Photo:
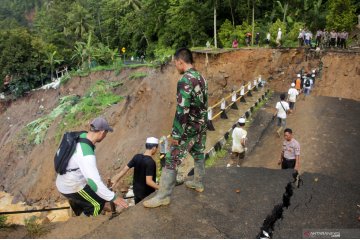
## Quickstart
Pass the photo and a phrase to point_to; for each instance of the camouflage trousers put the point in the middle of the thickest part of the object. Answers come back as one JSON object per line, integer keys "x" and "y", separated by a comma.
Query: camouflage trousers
{"x": 195, "y": 146}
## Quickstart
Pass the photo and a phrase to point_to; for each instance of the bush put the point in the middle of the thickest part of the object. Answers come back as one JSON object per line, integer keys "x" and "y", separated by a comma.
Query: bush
{"x": 33, "y": 227}
{"x": 295, "y": 30}
{"x": 3, "y": 223}
{"x": 97, "y": 98}
{"x": 226, "y": 34}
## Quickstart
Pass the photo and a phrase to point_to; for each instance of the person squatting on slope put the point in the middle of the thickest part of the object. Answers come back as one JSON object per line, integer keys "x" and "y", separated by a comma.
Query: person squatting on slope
{"x": 144, "y": 179}
{"x": 282, "y": 108}
{"x": 189, "y": 129}
{"x": 290, "y": 153}
{"x": 239, "y": 142}
{"x": 81, "y": 183}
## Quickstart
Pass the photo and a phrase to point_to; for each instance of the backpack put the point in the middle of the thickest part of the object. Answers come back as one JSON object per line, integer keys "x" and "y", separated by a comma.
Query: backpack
{"x": 66, "y": 150}
{"x": 307, "y": 83}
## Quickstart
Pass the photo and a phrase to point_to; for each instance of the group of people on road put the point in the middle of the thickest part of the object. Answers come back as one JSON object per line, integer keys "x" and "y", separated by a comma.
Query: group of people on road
{"x": 323, "y": 38}
{"x": 82, "y": 184}
{"x": 290, "y": 154}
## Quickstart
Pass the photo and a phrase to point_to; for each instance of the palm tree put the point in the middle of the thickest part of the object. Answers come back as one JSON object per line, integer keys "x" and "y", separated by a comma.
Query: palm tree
{"x": 52, "y": 61}
{"x": 80, "y": 21}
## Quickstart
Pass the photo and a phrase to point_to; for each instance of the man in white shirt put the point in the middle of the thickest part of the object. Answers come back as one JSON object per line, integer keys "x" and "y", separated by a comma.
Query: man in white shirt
{"x": 278, "y": 38}
{"x": 239, "y": 142}
{"x": 292, "y": 95}
{"x": 301, "y": 38}
{"x": 282, "y": 108}
{"x": 81, "y": 183}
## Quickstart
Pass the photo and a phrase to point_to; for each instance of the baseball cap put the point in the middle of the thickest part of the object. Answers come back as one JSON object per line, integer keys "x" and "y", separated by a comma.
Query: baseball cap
{"x": 100, "y": 124}
{"x": 293, "y": 84}
{"x": 241, "y": 120}
{"x": 298, "y": 75}
{"x": 152, "y": 140}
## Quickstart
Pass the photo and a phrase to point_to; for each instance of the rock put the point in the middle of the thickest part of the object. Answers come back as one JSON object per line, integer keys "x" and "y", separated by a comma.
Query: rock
{"x": 18, "y": 198}
{"x": 46, "y": 220}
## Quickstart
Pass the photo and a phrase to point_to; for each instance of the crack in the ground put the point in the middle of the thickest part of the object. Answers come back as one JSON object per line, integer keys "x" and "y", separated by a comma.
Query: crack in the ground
{"x": 267, "y": 229}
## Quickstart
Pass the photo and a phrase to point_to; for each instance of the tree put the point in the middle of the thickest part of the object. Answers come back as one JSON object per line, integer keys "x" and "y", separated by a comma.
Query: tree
{"x": 341, "y": 15}
{"x": 52, "y": 61}
{"x": 79, "y": 22}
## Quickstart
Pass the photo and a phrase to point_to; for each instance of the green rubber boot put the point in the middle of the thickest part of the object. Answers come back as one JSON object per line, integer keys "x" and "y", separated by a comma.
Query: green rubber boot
{"x": 167, "y": 184}
{"x": 199, "y": 172}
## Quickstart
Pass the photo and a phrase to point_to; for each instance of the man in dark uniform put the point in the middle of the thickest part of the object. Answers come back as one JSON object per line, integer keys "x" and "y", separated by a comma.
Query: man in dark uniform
{"x": 189, "y": 129}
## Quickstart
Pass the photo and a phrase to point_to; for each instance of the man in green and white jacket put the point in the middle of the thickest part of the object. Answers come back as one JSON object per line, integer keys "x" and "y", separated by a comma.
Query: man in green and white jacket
{"x": 82, "y": 183}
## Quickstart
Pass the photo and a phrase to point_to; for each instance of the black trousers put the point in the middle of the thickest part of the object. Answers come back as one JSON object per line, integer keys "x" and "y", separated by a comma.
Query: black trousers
{"x": 288, "y": 163}
{"x": 85, "y": 201}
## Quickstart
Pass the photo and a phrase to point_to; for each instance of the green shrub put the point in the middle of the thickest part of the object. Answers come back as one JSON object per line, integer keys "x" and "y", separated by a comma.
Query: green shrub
{"x": 3, "y": 223}
{"x": 37, "y": 129}
{"x": 33, "y": 227}
{"x": 97, "y": 98}
{"x": 226, "y": 33}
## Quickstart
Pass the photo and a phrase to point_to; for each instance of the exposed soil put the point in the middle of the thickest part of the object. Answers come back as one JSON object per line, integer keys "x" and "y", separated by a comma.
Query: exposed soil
{"x": 27, "y": 171}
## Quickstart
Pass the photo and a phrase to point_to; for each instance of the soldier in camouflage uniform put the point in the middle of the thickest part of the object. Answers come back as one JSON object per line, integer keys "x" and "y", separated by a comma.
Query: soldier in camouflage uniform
{"x": 189, "y": 129}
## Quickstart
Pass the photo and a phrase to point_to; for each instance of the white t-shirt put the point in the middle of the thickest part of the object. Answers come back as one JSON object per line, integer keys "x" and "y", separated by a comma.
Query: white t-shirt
{"x": 238, "y": 134}
{"x": 279, "y": 35}
{"x": 87, "y": 173}
{"x": 282, "y": 109}
{"x": 292, "y": 94}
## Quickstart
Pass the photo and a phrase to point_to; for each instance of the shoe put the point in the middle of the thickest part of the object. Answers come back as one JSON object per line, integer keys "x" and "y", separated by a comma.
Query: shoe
{"x": 167, "y": 184}
{"x": 199, "y": 172}
{"x": 237, "y": 165}
{"x": 228, "y": 165}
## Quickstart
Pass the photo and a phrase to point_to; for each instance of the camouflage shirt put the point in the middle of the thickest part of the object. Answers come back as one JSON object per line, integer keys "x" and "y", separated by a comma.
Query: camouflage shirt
{"x": 192, "y": 103}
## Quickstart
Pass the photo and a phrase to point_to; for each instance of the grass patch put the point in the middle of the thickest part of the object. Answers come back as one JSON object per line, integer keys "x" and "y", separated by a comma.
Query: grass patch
{"x": 75, "y": 111}
{"x": 3, "y": 221}
{"x": 137, "y": 75}
{"x": 33, "y": 227}
{"x": 65, "y": 79}
{"x": 133, "y": 66}
{"x": 96, "y": 99}
{"x": 213, "y": 159}
{"x": 36, "y": 130}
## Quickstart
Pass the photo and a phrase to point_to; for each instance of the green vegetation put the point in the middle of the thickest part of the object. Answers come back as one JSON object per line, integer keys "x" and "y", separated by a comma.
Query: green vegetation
{"x": 137, "y": 75}
{"x": 3, "y": 223}
{"x": 36, "y": 130}
{"x": 74, "y": 111}
{"x": 96, "y": 99}
{"x": 34, "y": 228}
{"x": 39, "y": 36}
{"x": 218, "y": 155}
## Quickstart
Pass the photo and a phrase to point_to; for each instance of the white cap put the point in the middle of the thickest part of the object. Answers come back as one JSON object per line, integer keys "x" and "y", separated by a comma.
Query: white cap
{"x": 313, "y": 71}
{"x": 279, "y": 29}
{"x": 293, "y": 84}
{"x": 152, "y": 140}
{"x": 241, "y": 120}
{"x": 298, "y": 75}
